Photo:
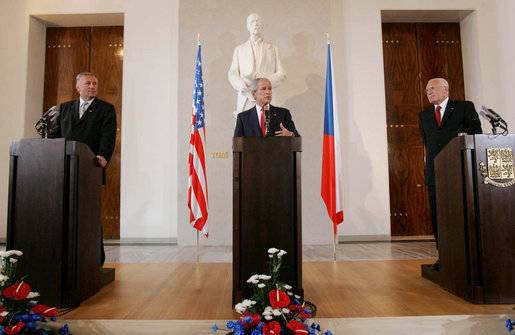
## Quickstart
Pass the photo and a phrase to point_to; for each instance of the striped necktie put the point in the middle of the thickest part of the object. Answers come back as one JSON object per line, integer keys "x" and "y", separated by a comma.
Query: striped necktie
{"x": 83, "y": 108}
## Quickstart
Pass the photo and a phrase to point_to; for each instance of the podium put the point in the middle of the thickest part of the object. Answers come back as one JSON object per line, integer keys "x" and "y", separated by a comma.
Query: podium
{"x": 475, "y": 194}
{"x": 266, "y": 210}
{"x": 54, "y": 213}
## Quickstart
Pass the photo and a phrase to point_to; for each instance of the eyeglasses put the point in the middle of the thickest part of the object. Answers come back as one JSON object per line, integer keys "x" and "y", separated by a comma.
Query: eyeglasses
{"x": 432, "y": 88}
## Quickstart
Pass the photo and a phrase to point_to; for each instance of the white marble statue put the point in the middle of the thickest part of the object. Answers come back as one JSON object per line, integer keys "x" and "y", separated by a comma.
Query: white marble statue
{"x": 255, "y": 58}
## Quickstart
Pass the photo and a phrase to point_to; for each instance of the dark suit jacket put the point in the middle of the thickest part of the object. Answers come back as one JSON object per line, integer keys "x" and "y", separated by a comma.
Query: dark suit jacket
{"x": 459, "y": 117}
{"x": 96, "y": 128}
{"x": 247, "y": 123}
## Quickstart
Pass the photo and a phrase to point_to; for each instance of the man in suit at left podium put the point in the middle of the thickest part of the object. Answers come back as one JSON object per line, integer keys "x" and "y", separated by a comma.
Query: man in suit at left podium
{"x": 88, "y": 120}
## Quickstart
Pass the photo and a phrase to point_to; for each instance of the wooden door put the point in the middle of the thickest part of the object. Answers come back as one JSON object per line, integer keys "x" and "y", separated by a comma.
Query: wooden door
{"x": 413, "y": 53}
{"x": 107, "y": 64}
{"x": 72, "y": 50}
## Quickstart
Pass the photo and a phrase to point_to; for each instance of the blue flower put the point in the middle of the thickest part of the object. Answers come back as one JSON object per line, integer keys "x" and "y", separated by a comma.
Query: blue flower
{"x": 34, "y": 317}
{"x": 260, "y": 326}
{"x": 21, "y": 318}
{"x": 247, "y": 319}
{"x": 308, "y": 311}
{"x": 53, "y": 318}
{"x": 64, "y": 330}
{"x": 31, "y": 325}
{"x": 42, "y": 332}
{"x": 328, "y": 333}
{"x": 230, "y": 325}
{"x": 238, "y": 326}
{"x": 296, "y": 302}
{"x": 214, "y": 328}
{"x": 318, "y": 327}
{"x": 256, "y": 332}
{"x": 509, "y": 325}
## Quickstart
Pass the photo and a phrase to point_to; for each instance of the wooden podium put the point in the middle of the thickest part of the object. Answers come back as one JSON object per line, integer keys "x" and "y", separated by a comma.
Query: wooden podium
{"x": 475, "y": 192}
{"x": 54, "y": 214}
{"x": 266, "y": 209}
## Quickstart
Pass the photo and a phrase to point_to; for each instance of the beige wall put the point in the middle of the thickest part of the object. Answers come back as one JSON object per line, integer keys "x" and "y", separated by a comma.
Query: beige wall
{"x": 159, "y": 54}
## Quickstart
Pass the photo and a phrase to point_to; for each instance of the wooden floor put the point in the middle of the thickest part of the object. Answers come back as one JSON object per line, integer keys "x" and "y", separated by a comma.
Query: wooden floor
{"x": 342, "y": 289}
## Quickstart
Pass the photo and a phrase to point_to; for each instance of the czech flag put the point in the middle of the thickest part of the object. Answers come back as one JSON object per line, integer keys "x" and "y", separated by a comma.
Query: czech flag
{"x": 332, "y": 186}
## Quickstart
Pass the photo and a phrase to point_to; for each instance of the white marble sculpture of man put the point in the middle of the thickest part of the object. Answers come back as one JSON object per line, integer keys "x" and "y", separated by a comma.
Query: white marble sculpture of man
{"x": 254, "y": 59}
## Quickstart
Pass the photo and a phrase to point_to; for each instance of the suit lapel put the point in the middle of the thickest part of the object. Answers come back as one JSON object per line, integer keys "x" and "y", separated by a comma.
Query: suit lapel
{"x": 75, "y": 111}
{"x": 449, "y": 109}
{"x": 274, "y": 125}
{"x": 254, "y": 122}
{"x": 249, "y": 54}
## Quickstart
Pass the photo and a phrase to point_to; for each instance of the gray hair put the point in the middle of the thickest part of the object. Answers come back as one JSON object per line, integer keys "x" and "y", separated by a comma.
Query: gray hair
{"x": 442, "y": 82}
{"x": 255, "y": 82}
{"x": 83, "y": 74}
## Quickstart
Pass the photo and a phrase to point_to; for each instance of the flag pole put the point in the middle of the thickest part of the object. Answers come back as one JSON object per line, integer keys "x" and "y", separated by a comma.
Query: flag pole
{"x": 334, "y": 246}
{"x": 335, "y": 237}
{"x": 198, "y": 43}
{"x": 197, "y": 247}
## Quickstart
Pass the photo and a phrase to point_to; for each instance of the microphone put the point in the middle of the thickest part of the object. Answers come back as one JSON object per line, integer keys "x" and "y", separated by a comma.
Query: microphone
{"x": 495, "y": 119}
{"x": 44, "y": 121}
{"x": 267, "y": 119}
{"x": 489, "y": 114}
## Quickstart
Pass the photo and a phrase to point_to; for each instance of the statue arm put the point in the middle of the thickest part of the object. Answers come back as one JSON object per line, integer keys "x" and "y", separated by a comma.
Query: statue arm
{"x": 234, "y": 74}
{"x": 280, "y": 74}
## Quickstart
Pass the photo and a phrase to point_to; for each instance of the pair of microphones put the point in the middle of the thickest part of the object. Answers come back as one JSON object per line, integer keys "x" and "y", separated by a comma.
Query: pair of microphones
{"x": 45, "y": 120}
{"x": 495, "y": 120}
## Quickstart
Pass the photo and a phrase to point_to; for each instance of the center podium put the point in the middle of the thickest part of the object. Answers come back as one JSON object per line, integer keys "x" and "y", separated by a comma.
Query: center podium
{"x": 267, "y": 210}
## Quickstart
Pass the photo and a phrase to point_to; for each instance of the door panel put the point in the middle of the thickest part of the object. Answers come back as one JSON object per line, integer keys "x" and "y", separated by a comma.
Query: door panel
{"x": 405, "y": 149}
{"x": 67, "y": 54}
{"x": 107, "y": 64}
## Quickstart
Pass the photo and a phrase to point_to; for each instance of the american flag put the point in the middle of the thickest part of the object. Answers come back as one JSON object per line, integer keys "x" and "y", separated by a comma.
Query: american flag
{"x": 197, "y": 181}
{"x": 331, "y": 161}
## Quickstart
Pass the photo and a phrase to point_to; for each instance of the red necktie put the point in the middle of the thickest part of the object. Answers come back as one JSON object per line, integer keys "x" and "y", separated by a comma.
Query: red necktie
{"x": 438, "y": 116}
{"x": 263, "y": 129}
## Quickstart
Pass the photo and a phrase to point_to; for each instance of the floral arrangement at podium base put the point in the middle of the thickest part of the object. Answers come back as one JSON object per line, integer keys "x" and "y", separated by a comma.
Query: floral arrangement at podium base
{"x": 19, "y": 312}
{"x": 272, "y": 309}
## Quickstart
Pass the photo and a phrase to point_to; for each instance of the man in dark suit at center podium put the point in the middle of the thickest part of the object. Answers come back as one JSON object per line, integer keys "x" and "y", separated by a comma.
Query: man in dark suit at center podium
{"x": 88, "y": 120}
{"x": 440, "y": 123}
{"x": 252, "y": 121}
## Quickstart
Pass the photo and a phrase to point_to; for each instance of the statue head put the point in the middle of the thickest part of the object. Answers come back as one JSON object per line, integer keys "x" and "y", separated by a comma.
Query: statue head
{"x": 254, "y": 24}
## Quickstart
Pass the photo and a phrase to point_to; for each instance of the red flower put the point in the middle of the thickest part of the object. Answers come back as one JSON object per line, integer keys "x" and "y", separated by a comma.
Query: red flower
{"x": 297, "y": 327}
{"x": 256, "y": 319}
{"x": 2, "y": 310}
{"x": 294, "y": 307}
{"x": 14, "y": 329}
{"x": 272, "y": 328}
{"x": 19, "y": 291}
{"x": 278, "y": 298}
{"x": 45, "y": 310}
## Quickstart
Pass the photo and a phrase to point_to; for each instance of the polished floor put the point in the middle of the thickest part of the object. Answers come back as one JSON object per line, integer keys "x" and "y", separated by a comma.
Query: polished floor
{"x": 399, "y": 250}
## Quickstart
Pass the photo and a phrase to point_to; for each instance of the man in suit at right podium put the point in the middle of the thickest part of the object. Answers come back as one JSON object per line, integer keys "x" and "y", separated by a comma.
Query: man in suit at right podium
{"x": 439, "y": 124}
{"x": 252, "y": 121}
